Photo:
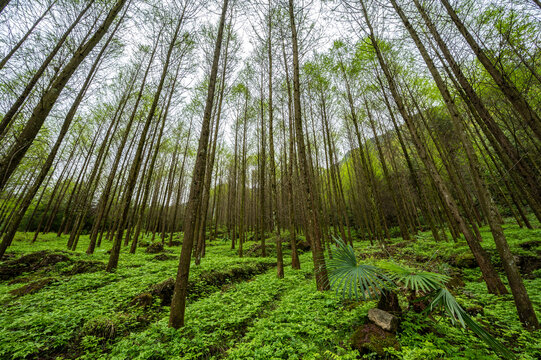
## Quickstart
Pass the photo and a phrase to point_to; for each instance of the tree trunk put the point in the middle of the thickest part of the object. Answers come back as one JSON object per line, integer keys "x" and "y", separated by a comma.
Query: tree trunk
{"x": 322, "y": 281}
{"x": 522, "y": 301}
{"x": 178, "y": 302}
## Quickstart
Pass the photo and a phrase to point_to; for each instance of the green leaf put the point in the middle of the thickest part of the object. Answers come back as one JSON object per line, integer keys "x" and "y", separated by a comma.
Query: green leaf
{"x": 414, "y": 279}
{"x": 444, "y": 299}
{"x": 347, "y": 277}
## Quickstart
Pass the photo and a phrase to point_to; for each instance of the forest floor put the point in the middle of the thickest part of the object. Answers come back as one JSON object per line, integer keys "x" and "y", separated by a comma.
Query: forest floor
{"x": 59, "y": 304}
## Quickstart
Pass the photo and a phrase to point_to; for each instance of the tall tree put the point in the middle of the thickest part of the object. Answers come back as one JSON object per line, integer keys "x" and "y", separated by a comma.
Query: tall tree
{"x": 178, "y": 302}
{"x": 312, "y": 220}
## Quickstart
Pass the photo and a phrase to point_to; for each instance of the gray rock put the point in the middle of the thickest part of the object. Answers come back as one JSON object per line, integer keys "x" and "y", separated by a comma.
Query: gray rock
{"x": 383, "y": 319}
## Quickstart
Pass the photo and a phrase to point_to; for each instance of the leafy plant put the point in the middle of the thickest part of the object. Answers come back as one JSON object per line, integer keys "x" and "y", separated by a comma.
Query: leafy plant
{"x": 347, "y": 277}
{"x": 442, "y": 298}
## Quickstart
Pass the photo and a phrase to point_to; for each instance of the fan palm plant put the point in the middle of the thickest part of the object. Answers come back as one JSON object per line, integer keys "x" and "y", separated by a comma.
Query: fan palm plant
{"x": 352, "y": 280}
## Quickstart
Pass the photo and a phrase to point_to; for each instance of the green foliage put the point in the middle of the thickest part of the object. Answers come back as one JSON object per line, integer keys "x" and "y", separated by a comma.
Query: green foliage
{"x": 52, "y": 319}
{"x": 414, "y": 279}
{"x": 444, "y": 299}
{"x": 346, "y": 274}
{"x": 88, "y": 315}
{"x": 347, "y": 277}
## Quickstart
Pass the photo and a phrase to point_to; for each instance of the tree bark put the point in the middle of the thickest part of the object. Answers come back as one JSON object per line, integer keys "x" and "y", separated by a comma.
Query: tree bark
{"x": 178, "y": 302}
{"x": 322, "y": 280}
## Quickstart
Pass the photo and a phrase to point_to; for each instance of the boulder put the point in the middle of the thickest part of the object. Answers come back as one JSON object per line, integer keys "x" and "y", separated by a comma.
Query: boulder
{"x": 383, "y": 319}
{"x": 370, "y": 338}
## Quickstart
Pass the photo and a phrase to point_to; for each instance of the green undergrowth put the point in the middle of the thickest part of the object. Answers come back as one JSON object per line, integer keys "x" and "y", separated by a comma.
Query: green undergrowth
{"x": 304, "y": 325}
{"x": 213, "y": 324}
{"x": 238, "y": 309}
{"x": 424, "y": 338}
{"x": 51, "y": 320}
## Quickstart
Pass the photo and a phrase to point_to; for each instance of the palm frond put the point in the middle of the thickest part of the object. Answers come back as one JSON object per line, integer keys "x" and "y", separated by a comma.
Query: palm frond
{"x": 414, "y": 279}
{"x": 347, "y": 277}
{"x": 352, "y": 280}
{"x": 444, "y": 299}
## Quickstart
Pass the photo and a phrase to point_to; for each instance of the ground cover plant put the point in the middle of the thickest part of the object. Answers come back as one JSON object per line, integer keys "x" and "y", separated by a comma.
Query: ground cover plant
{"x": 93, "y": 315}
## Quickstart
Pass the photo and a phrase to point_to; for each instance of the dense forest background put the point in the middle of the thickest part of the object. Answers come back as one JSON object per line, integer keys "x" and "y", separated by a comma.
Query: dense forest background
{"x": 274, "y": 127}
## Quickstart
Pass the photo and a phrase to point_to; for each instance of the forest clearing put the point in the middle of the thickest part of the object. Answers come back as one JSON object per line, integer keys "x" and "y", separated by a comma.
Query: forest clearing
{"x": 270, "y": 179}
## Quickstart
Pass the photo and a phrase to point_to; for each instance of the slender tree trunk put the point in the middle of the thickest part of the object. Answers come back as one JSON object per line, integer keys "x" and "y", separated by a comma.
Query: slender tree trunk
{"x": 522, "y": 301}
{"x": 322, "y": 281}
{"x": 26, "y": 35}
{"x": 242, "y": 216}
{"x": 178, "y": 302}
{"x": 3, "y": 4}
{"x": 516, "y": 164}
{"x": 134, "y": 170}
{"x": 492, "y": 280}
{"x": 9, "y": 115}
{"x": 102, "y": 204}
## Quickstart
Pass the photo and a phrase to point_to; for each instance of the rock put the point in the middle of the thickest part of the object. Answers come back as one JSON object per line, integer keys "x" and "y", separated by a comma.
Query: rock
{"x": 32, "y": 287}
{"x": 383, "y": 319}
{"x": 154, "y": 248}
{"x": 370, "y": 338}
{"x": 389, "y": 302}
